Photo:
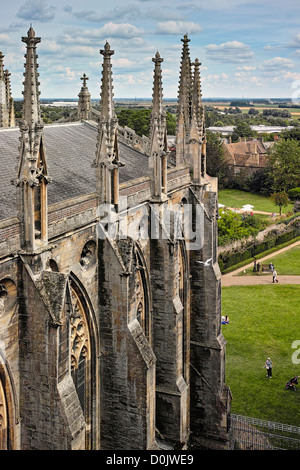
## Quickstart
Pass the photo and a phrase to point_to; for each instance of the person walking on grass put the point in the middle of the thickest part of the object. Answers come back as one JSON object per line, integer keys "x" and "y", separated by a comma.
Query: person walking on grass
{"x": 275, "y": 276}
{"x": 268, "y": 365}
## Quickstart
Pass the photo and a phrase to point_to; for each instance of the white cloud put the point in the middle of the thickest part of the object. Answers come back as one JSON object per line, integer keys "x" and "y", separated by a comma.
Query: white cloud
{"x": 229, "y": 52}
{"x": 65, "y": 72}
{"x": 5, "y": 39}
{"x": 163, "y": 14}
{"x": 178, "y": 27}
{"x": 122, "y": 63}
{"x": 269, "y": 47}
{"x": 127, "y": 11}
{"x": 291, "y": 76}
{"x": 246, "y": 68}
{"x": 37, "y": 10}
{"x": 276, "y": 65}
{"x": 295, "y": 43}
{"x": 118, "y": 30}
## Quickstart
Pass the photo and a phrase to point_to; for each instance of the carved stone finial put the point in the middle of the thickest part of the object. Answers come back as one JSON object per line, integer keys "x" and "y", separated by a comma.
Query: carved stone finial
{"x": 157, "y": 59}
{"x": 84, "y": 78}
{"x": 185, "y": 39}
{"x": 107, "y": 52}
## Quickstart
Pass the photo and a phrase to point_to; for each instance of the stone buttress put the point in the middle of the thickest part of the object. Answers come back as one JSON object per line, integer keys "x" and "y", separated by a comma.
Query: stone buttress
{"x": 127, "y": 364}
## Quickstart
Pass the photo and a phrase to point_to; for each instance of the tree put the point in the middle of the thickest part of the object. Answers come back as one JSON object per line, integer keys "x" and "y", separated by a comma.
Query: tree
{"x": 215, "y": 161}
{"x": 284, "y": 165}
{"x": 139, "y": 120}
{"x": 242, "y": 129}
{"x": 280, "y": 199}
{"x": 291, "y": 134}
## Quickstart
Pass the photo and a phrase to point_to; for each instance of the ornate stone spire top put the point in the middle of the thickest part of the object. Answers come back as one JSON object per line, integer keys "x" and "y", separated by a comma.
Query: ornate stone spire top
{"x": 84, "y": 102}
{"x": 107, "y": 106}
{"x": 158, "y": 136}
{"x": 185, "y": 81}
{"x": 84, "y": 78}
{"x": 184, "y": 107}
{"x": 197, "y": 94}
{"x": 32, "y": 178}
{"x": 107, "y": 152}
{"x": 31, "y": 106}
{"x": 157, "y": 104}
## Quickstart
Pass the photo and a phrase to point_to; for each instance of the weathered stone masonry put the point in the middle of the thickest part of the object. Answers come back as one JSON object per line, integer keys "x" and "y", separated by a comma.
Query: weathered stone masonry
{"x": 108, "y": 342}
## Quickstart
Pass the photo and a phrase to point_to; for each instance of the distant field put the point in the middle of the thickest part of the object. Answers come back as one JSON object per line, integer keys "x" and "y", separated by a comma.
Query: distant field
{"x": 237, "y": 199}
{"x": 260, "y": 107}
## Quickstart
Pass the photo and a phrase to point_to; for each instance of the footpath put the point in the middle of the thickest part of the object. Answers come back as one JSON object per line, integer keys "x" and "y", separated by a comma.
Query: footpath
{"x": 232, "y": 279}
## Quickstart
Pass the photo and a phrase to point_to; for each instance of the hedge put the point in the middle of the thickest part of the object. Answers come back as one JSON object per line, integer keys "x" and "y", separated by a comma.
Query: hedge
{"x": 227, "y": 260}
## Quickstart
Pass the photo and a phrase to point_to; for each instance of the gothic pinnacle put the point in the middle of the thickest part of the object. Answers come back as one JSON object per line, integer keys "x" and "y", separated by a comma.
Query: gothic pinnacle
{"x": 31, "y": 107}
{"x": 158, "y": 113}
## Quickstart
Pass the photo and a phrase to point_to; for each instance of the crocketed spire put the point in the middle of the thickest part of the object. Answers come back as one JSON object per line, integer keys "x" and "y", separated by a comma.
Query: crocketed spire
{"x": 32, "y": 175}
{"x": 158, "y": 135}
{"x": 107, "y": 153}
{"x": 9, "y": 100}
{"x": 197, "y": 95}
{"x": 31, "y": 106}
{"x": 107, "y": 129}
{"x": 4, "y": 110}
{"x": 184, "y": 106}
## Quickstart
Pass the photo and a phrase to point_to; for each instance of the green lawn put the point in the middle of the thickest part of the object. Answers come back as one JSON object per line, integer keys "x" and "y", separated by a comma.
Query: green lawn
{"x": 264, "y": 322}
{"x": 287, "y": 263}
{"x": 237, "y": 199}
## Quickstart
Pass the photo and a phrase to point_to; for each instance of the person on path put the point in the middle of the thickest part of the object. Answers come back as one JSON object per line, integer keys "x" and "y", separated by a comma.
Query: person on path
{"x": 274, "y": 276}
{"x": 254, "y": 265}
{"x": 258, "y": 268}
{"x": 268, "y": 365}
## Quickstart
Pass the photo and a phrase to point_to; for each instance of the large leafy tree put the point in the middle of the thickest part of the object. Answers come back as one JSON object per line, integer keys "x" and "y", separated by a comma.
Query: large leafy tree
{"x": 284, "y": 165}
{"x": 215, "y": 160}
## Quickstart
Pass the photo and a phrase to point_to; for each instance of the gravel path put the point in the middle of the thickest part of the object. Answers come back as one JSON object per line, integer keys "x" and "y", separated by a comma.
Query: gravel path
{"x": 232, "y": 279}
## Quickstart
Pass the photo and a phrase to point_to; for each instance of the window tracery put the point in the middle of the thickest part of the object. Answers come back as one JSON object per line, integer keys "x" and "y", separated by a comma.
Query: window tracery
{"x": 3, "y": 419}
{"x": 79, "y": 349}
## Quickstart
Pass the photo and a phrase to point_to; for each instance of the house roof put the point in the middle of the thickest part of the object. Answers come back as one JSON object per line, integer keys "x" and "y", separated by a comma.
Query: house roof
{"x": 70, "y": 151}
{"x": 243, "y": 148}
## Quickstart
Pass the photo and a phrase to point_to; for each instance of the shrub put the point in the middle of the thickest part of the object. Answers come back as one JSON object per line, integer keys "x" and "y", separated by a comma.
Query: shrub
{"x": 294, "y": 194}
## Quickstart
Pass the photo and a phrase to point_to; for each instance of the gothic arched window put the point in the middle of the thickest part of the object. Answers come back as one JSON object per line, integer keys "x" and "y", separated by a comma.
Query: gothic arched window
{"x": 75, "y": 352}
{"x": 3, "y": 420}
{"x": 142, "y": 298}
{"x": 80, "y": 351}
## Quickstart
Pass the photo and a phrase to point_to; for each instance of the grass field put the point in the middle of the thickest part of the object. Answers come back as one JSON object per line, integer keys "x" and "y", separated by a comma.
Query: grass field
{"x": 287, "y": 263}
{"x": 237, "y": 199}
{"x": 264, "y": 322}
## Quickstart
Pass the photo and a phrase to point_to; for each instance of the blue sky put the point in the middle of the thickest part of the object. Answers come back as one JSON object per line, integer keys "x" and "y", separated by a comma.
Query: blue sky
{"x": 247, "y": 48}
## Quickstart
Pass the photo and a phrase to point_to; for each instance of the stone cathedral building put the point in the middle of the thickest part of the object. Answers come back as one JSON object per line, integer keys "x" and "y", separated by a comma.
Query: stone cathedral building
{"x": 109, "y": 340}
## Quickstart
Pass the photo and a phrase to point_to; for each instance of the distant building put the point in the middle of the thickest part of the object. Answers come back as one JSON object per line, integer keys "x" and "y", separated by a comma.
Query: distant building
{"x": 261, "y": 129}
{"x": 246, "y": 156}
